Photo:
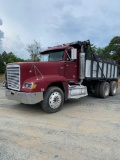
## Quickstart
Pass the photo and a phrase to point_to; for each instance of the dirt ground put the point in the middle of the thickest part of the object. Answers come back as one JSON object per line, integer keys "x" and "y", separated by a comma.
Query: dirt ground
{"x": 85, "y": 129}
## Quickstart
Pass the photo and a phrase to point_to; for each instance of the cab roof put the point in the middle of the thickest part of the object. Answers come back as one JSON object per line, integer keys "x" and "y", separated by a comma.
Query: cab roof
{"x": 76, "y": 44}
{"x": 55, "y": 48}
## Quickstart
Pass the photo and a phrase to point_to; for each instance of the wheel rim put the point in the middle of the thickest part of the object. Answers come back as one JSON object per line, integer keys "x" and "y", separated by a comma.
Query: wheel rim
{"x": 114, "y": 88}
{"x": 106, "y": 90}
{"x": 55, "y": 100}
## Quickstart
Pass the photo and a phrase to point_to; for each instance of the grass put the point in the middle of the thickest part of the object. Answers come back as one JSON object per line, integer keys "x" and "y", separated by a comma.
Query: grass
{"x": 2, "y": 78}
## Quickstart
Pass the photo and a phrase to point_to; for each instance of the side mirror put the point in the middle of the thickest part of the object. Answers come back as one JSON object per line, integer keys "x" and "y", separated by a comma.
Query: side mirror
{"x": 5, "y": 63}
{"x": 73, "y": 53}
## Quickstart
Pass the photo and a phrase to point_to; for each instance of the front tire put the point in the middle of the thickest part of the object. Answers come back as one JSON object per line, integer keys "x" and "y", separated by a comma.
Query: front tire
{"x": 53, "y": 100}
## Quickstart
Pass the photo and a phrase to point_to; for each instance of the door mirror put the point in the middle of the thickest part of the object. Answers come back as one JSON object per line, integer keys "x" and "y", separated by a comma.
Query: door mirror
{"x": 73, "y": 53}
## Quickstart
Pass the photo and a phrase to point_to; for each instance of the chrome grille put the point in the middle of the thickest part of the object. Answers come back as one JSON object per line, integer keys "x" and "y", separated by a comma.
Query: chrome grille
{"x": 13, "y": 77}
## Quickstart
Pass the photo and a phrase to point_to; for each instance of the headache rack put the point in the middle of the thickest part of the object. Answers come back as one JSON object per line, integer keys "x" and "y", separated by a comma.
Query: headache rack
{"x": 76, "y": 44}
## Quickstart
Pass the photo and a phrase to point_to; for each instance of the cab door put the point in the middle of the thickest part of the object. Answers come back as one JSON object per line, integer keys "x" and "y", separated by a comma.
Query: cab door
{"x": 70, "y": 68}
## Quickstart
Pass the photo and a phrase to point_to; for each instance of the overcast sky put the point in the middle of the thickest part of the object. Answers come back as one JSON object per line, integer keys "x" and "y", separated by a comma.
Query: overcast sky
{"x": 53, "y": 22}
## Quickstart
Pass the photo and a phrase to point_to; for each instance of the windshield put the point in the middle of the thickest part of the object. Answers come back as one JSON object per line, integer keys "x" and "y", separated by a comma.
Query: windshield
{"x": 52, "y": 56}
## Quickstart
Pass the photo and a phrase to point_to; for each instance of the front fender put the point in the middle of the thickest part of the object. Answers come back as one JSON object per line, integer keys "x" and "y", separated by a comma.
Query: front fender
{"x": 44, "y": 82}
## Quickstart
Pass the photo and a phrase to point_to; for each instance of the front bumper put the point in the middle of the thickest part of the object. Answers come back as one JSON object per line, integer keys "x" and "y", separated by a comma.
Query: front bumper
{"x": 23, "y": 97}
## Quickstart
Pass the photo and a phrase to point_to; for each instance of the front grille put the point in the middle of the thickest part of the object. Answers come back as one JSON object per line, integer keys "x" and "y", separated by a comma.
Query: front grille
{"x": 13, "y": 77}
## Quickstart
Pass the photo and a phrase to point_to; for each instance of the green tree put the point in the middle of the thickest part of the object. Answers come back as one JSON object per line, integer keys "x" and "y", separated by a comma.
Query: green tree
{"x": 113, "y": 49}
{"x": 91, "y": 50}
{"x": 34, "y": 50}
{"x": 2, "y": 67}
{"x": 97, "y": 51}
{"x": 8, "y": 58}
{"x": 100, "y": 51}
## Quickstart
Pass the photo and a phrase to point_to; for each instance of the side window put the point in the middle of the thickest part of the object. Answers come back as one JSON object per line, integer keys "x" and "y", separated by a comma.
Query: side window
{"x": 68, "y": 55}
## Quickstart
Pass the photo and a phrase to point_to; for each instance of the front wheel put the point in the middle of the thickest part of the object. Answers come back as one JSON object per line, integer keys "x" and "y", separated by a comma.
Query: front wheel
{"x": 53, "y": 100}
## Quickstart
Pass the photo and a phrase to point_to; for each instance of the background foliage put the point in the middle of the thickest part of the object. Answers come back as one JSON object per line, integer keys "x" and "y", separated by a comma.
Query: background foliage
{"x": 8, "y": 58}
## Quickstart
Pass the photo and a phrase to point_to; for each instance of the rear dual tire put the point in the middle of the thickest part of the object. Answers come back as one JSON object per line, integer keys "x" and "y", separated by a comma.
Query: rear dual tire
{"x": 104, "y": 89}
{"x": 97, "y": 89}
{"x": 113, "y": 88}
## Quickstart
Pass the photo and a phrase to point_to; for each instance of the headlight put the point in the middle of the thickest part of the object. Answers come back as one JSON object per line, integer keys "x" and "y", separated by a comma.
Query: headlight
{"x": 30, "y": 85}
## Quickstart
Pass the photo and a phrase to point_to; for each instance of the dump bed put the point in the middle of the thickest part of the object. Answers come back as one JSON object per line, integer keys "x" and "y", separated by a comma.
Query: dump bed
{"x": 101, "y": 68}
{"x": 95, "y": 67}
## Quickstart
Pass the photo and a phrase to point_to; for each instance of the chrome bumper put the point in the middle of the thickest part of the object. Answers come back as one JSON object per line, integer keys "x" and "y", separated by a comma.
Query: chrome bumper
{"x": 26, "y": 98}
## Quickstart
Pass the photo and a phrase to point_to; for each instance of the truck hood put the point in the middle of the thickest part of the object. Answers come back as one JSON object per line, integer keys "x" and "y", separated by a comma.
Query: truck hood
{"x": 46, "y": 68}
{"x": 42, "y": 73}
{"x": 37, "y": 69}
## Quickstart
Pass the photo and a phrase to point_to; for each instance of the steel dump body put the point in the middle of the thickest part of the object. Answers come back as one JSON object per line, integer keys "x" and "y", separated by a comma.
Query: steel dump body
{"x": 96, "y": 67}
{"x": 101, "y": 69}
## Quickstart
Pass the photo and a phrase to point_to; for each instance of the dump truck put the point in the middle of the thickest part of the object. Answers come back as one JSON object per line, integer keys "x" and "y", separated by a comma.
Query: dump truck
{"x": 66, "y": 71}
